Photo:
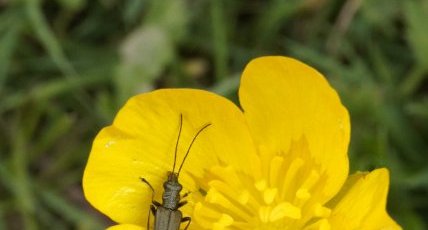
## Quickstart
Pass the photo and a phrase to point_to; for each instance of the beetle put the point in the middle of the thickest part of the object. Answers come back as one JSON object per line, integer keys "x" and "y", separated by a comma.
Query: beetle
{"x": 167, "y": 214}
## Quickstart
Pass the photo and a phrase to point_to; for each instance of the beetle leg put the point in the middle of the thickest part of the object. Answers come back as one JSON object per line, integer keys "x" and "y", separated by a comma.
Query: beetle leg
{"x": 146, "y": 182}
{"x": 182, "y": 203}
{"x": 188, "y": 219}
{"x": 153, "y": 210}
{"x": 185, "y": 194}
{"x": 154, "y": 204}
{"x": 150, "y": 186}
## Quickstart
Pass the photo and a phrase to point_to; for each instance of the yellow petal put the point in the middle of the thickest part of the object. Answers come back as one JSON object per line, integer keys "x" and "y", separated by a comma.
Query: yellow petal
{"x": 126, "y": 227}
{"x": 285, "y": 100}
{"x": 141, "y": 143}
{"x": 362, "y": 202}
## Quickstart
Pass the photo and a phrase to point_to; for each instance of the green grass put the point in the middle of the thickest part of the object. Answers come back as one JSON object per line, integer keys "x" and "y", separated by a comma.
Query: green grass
{"x": 67, "y": 66}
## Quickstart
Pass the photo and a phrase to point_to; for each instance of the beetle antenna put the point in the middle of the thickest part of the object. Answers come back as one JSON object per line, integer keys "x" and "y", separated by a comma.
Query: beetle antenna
{"x": 190, "y": 146}
{"x": 176, "y": 144}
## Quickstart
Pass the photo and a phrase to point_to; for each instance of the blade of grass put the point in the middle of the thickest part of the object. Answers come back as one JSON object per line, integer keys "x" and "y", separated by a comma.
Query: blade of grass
{"x": 64, "y": 161}
{"x": 22, "y": 192}
{"x": 418, "y": 109}
{"x": 415, "y": 14}
{"x": 8, "y": 44}
{"x": 54, "y": 201}
{"x": 401, "y": 132}
{"x": 219, "y": 39}
{"x": 413, "y": 80}
{"x": 48, "y": 90}
{"x": 418, "y": 179}
{"x": 67, "y": 210}
{"x": 6, "y": 180}
{"x": 46, "y": 218}
{"x": 57, "y": 128}
{"x": 47, "y": 37}
{"x": 343, "y": 21}
{"x": 276, "y": 14}
{"x": 5, "y": 176}
{"x": 383, "y": 70}
{"x": 53, "y": 47}
{"x": 3, "y": 210}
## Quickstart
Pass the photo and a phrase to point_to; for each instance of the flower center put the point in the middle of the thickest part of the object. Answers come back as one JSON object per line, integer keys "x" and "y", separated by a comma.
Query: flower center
{"x": 280, "y": 192}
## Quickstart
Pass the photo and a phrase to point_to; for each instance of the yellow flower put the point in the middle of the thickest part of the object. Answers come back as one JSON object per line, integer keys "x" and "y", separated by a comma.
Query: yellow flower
{"x": 281, "y": 163}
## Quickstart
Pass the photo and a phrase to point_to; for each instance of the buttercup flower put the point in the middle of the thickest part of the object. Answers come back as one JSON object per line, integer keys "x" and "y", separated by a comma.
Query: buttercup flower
{"x": 279, "y": 163}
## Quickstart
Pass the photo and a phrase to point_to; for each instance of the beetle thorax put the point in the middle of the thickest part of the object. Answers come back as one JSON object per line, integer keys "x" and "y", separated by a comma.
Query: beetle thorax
{"x": 171, "y": 194}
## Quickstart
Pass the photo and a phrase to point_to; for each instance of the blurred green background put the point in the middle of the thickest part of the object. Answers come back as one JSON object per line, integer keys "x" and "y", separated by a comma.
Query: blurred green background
{"x": 67, "y": 66}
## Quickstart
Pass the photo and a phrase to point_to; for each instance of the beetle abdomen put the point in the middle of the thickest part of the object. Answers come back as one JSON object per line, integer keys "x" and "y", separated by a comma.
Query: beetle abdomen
{"x": 167, "y": 219}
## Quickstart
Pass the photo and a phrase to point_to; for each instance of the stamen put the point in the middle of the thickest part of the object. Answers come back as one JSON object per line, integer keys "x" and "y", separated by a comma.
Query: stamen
{"x": 269, "y": 195}
{"x": 321, "y": 211}
{"x": 281, "y": 193}
{"x": 224, "y": 221}
{"x": 201, "y": 210}
{"x": 285, "y": 209}
{"x": 264, "y": 213}
{"x": 261, "y": 185}
{"x": 244, "y": 197}
{"x": 290, "y": 177}
{"x": 311, "y": 180}
{"x": 215, "y": 197}
{"x": 322, "y": 224}
{"x": 303, "y": 194}
{"x": 223, "y": 188}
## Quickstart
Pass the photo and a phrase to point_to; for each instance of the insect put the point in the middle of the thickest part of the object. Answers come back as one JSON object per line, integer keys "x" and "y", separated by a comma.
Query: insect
{"x": 167, "y": 215}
